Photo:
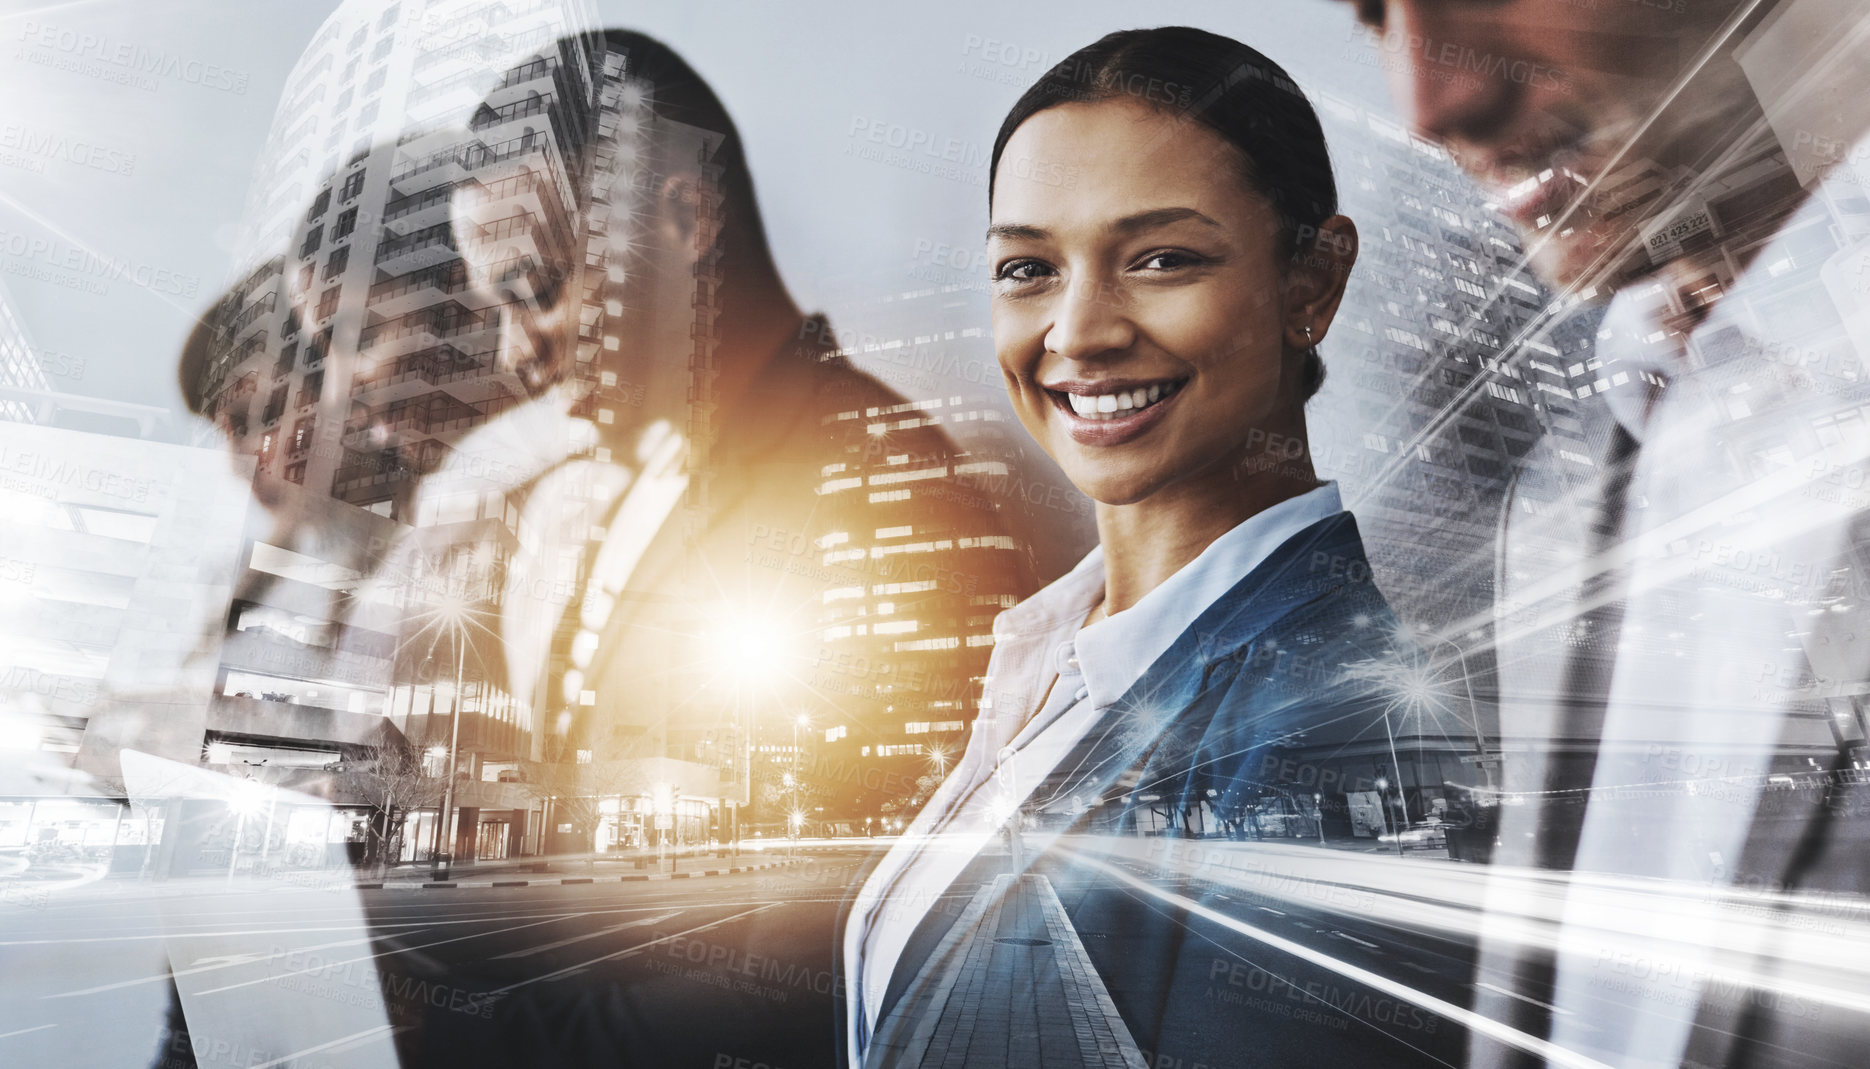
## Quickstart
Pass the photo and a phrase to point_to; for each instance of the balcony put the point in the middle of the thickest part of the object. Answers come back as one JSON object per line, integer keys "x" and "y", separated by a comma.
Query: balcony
{"x": 403, "y": 293}
{"x": 415, "y": 203}
{"x": 435, "y": 366}
{"x": 411, "y": 252}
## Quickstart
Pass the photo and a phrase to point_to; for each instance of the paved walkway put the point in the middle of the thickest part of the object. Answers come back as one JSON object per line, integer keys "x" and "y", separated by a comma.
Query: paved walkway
{"x": 1021, "y": 993}
{"x": 407, "y": 881}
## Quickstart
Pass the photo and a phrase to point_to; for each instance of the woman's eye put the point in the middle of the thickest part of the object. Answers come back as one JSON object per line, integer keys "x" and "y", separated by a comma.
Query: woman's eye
{"x": 1021, "y": 271}
{"x": 1167, "y": 260}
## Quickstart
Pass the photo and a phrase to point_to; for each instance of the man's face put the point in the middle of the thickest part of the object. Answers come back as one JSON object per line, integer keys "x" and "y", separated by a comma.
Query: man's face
{"x": 1571, "y": 114}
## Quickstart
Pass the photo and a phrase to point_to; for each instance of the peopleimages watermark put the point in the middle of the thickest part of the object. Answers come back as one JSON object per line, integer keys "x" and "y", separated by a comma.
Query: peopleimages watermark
{"x": 1455, "y": 62}
{"x": 97, "y": 271}
{"x": 22, "y": 143}
{"x": 100, "y": 56}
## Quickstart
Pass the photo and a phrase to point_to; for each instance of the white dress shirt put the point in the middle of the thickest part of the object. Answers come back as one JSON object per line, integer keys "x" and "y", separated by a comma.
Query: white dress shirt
{"x": 1732, "y": 530}
{"x": 1049, "y": 682}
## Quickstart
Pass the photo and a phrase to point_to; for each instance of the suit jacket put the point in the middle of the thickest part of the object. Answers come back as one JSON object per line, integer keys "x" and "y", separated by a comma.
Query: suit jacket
{"x": 1303, "y": 654}
{"x": 1720, "y": 755}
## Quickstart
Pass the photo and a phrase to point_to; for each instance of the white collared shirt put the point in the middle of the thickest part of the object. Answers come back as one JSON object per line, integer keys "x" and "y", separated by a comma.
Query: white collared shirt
{"x": 1048, "y": 683}
{"x": 1727, "y": 501}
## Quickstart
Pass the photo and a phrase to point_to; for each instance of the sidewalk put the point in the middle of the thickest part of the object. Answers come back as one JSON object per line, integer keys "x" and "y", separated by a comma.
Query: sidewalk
{"x": 575, "y": 872}
{"x": 1020, "y": 992}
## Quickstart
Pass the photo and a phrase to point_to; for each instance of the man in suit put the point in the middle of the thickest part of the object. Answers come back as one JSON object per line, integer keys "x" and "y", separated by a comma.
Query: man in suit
{"x": 1684, "y": 651}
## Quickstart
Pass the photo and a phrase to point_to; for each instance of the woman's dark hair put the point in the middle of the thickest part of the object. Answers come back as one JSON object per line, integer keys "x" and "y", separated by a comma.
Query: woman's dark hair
{"x": 1228, "y": 87}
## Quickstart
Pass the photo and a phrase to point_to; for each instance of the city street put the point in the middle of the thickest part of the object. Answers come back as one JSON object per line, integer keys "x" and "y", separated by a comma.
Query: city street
{"x": 665, "y": 973}
{"x": 1275, "y": 955}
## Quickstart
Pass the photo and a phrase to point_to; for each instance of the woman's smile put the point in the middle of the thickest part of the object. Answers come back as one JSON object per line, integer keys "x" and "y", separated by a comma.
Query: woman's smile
{"x": 1112, "y": 411}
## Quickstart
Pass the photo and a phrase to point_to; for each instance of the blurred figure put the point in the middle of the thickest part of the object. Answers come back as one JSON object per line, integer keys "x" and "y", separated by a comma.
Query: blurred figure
{"x": 596, "y": 427}
{"x": 1684, "y": 646}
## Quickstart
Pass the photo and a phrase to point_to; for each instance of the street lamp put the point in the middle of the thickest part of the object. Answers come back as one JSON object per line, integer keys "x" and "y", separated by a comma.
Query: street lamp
{"x": 1473, "y": 710}
{"x": 445, "y": 858}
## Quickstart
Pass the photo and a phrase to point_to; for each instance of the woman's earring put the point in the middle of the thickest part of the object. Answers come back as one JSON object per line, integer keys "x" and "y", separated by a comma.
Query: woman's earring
{"x": 1309, "y": 343}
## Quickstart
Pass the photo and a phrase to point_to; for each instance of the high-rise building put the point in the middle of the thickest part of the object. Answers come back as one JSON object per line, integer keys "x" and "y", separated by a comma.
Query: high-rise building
{"x": 353, "y": 355}
{"x": 21, "y": 376}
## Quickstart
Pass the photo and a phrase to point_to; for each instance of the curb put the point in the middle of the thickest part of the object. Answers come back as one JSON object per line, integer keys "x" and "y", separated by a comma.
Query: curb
{"x": 631, "y": 877}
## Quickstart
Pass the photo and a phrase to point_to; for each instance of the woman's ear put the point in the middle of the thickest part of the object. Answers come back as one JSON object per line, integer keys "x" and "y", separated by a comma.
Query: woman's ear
{"x": 678, "y": 217}
{"x": 1315, "y": 283}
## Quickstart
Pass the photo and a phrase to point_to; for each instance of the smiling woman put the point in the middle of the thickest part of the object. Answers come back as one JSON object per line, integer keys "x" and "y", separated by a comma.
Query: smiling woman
{"x": 1166, "y": 255}
{"x": 1157, "y": 319}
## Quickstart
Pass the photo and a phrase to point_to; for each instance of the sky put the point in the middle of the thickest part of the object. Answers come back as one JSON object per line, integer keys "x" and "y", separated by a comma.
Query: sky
{"x": 121, "y": 193}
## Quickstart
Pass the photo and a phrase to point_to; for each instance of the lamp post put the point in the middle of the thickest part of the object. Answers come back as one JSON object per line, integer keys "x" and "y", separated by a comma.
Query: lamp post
{"x": 1473, "y": 710}
{"x": 444, "y": 858}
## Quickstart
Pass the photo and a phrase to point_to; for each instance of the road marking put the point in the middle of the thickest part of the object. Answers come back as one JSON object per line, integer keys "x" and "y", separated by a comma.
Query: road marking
{"x": 326, "y": 966}
{"x": 1420, "y": 968}
{"x": 1354, "y": 939}
{"x": 601, "y": 932}
{"x": 1271, "y": 910}
{"x": 209, "y": 964}
{"x": 1522, "y": 998}
{"x": 632, "y": 950}
{"x": 23, "y": 1031}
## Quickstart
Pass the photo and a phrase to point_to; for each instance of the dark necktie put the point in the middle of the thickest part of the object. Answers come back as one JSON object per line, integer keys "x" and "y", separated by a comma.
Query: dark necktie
{"x": 1581, "y": 705}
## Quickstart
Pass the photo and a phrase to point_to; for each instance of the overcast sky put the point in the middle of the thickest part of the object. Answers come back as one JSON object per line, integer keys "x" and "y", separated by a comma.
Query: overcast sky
{"x": 163, "y": 171}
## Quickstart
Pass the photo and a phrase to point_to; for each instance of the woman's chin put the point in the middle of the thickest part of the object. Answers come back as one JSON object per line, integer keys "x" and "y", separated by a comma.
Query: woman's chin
{"x": 1114, "y": 489}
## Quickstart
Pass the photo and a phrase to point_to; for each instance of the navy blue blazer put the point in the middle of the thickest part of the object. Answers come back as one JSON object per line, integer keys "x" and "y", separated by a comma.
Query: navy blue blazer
{"x": 1303, "y": 653}
{"x": 1301, "y": 656}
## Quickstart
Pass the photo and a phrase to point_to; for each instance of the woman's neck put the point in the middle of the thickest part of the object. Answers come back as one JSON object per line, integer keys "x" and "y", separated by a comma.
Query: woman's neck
{"x": 1150, "y": 540}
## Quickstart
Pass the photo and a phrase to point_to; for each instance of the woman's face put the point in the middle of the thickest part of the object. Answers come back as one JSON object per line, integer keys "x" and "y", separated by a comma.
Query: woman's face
{"x": 1139, "y": 299}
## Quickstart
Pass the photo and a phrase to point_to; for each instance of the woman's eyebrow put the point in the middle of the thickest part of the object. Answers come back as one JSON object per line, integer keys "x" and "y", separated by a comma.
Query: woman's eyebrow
{"x": 1129, "y": 224}
{"x": 1017, "y": 230}
{"x": 1156, "y": 217}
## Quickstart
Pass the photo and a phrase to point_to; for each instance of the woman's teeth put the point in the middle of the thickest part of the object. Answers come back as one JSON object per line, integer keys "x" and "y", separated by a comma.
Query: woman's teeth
{"x": 1113, "y": 405}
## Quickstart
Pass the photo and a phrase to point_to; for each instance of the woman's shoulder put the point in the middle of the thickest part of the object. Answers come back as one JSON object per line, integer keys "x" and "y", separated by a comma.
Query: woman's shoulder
{"x": 1320, "y": 573}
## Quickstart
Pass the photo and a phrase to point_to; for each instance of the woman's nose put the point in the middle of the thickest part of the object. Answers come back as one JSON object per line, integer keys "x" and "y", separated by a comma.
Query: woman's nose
{"x": 1092, "y": 319}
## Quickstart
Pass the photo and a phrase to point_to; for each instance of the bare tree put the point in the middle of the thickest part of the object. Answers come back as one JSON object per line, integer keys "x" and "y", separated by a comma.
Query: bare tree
{"x": 392, "y": 779}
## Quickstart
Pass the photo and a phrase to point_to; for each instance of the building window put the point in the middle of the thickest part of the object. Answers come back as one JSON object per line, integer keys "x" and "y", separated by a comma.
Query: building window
{"x": 319, "y": 204}
{"x": 340, "y": 259}
{"x": 328, "y": 303}
{"x": 353, "y": 185}
{"x": 375, "y": 81}
{"x": 347, "y": 222}
{"x": 313, "y": 239}
{"x": 389, "y": 17}
{"x": 383, "y": 48}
